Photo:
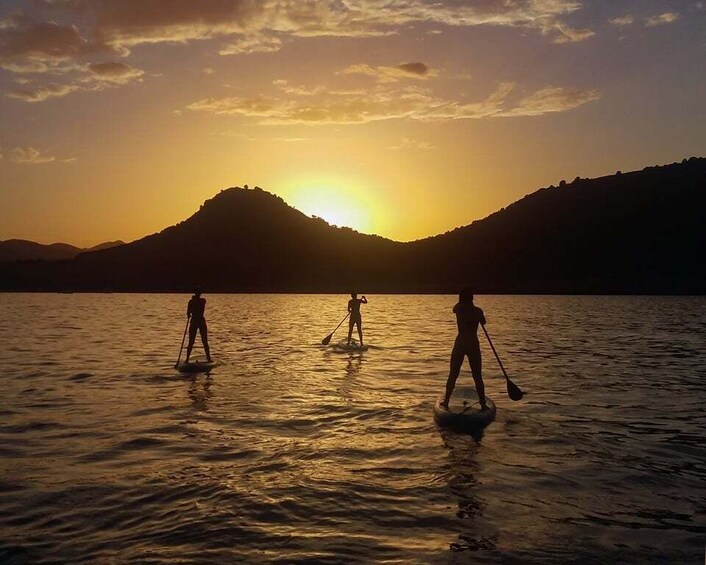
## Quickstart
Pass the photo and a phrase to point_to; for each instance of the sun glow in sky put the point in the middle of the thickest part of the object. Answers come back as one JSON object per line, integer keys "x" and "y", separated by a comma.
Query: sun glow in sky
{"x": 403, "y": 118}
{"x": 337, "y": 206}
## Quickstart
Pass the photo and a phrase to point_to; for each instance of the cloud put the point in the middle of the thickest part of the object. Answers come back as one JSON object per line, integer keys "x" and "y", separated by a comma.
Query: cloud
{"x": 419, "y": 69}
{"x": 92, "y": 77}
{"x": 118, "y": 73}
{"x": 29, "y": 156}
{"x": 248, "y": 137}
{"x": 122, "y": 24}
{"x": 385, "y": 102}
{"x": 571, "y": 35}
{"x": 391, "y": 74}
{"x": 286, "y": 86}
{"x": 28, "y": 46}
{"x": 31, "y": 48}
{"x": 666, "y": 18}
{"x": 65, "y": 37}
{"x": 552, "y": 99}
{"x": 256, "y": 43}
{"x": 42, "y": 92}
{"x": 407, "y": 143}
{"x": 625, "y": 20}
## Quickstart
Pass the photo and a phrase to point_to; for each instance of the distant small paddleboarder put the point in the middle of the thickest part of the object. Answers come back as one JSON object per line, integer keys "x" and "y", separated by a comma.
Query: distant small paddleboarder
{"x": 468, "y": 316}
{"x": 195, "y": 311}
{"x": 355, "y": 317}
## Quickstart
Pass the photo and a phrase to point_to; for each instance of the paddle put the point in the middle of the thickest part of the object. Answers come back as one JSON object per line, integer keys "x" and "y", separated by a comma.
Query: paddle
{"x": 513, "y": 391}
{"x": 182, "y": 343}
{"x": 326, "y": 340}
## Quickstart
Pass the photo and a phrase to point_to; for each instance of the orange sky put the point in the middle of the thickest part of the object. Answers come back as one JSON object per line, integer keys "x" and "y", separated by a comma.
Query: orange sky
{"x": 406, "y": 118}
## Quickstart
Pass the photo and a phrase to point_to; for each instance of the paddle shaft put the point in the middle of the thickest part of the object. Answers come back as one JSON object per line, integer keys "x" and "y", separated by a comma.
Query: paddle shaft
{"x": 329, "y": 336}
{"x": 496, "y": 353}
{"x": 183, "y": 339}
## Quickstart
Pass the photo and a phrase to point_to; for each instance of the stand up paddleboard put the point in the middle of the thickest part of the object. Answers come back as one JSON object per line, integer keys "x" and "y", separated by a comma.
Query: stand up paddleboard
{"x": 354, "y": 346}
{"x": 464, "y": 412}
{"x": 197, "y": 366}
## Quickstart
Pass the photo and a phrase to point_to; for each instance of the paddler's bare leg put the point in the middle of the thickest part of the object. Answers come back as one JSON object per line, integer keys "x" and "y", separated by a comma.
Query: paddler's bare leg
{"x": 454, "y": 370}
{"x": 193, "y": 328}
{"x": 203, "y": 330}
{"x": 476, "y": 367}
{"x": 350, "y": 330}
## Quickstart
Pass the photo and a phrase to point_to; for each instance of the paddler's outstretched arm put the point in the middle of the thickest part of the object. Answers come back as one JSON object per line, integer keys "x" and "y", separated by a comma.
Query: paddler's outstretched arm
{"x": 363, "y": 300}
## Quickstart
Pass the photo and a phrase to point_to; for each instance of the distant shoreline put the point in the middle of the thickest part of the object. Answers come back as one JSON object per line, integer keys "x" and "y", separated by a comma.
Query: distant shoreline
{"x": 346, "y": 292}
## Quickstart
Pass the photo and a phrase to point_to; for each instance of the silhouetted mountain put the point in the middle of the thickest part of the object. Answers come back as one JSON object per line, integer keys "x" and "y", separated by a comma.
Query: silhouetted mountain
{"x": 640, "y": 232}
{"x": 105, "y": 245}
{"x": 240, "y": 240}
{"x": 23, "y": 250}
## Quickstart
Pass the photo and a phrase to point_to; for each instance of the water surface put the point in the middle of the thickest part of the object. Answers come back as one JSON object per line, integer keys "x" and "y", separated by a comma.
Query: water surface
{"x": 292, "y": 452}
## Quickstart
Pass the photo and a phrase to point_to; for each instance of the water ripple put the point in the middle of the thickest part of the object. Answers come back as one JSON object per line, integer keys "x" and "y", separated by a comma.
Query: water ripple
{"x": 291, "y": 452}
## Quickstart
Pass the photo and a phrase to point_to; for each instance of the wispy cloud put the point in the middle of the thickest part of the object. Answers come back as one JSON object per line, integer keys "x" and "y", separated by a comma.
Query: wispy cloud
{"x": 42, "y": 92}
{"x": 386, "y": 101}
{"x": 417, "y": 71}
{"x": 550, "y": 100}
{"x": 256, "y": 43}
{"x": 407, "y": 143}
{"x": 36, "y": 41}
{"x": 661, "y": 19}
{"x": 124, "y": 23}
{"x": 91, "y": 77}
{"x": 625, "y": 20}
{"x": 28, "y": 46}
{"x": 70, "y": 39}
{"x": 571, "y": 35}
{"x": 297, "y": 90}
{"x": 32, "y": 156}
{"x": 117, "y": 73}
{"x": 263, "y": 139}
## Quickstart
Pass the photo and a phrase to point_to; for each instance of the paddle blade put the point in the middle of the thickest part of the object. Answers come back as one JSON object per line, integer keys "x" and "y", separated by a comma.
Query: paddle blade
{"x": 513, "y": 391}
{"x": 326, "y": 340}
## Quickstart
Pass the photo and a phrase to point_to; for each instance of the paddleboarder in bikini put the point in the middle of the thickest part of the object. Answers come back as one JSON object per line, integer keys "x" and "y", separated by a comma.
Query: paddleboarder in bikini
{"x": 197, "y": 323}
{"x": 468, "y": 316}
{"x": 355, "y": 319}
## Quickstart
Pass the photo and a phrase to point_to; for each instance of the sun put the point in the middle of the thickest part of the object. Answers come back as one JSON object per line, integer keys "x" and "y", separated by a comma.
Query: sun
{"x": 338, "y": 206}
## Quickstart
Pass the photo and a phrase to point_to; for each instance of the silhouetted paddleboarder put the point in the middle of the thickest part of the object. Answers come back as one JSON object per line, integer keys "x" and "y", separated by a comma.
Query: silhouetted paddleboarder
{"x": 355, "y": 319}
{"x": 468, "y": 316}
{"x": 197, "y": 322}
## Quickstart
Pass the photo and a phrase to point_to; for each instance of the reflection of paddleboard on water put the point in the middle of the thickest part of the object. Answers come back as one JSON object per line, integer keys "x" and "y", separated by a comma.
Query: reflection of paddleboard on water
{"x": 464, "y": 412}
{"x": 196, "y": 366}
{"x": 344, "y": 346}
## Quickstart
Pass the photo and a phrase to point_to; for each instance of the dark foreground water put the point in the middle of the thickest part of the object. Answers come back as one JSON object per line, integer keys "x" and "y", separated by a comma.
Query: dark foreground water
{"x": 292, "y": 452}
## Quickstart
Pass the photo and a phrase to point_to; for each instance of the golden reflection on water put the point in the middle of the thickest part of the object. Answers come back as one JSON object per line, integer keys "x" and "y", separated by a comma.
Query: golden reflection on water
{"x": 289, "y": 449}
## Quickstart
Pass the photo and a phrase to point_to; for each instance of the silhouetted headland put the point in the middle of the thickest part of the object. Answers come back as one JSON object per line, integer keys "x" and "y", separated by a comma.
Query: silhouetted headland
{"x": 23, "y": 250}
{"x": 631, "y": 233}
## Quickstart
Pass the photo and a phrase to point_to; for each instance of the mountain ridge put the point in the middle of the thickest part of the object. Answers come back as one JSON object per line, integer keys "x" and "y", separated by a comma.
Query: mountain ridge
{"x": 26, "y": 250}
{"x": 638, "y": 232}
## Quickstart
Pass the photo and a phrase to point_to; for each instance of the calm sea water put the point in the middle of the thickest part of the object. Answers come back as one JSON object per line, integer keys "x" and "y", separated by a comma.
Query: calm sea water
{"x": 292, "y": 452}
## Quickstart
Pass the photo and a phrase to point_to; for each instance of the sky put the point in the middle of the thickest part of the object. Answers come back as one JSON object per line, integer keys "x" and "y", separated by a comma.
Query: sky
{"x": 404, "y": 118}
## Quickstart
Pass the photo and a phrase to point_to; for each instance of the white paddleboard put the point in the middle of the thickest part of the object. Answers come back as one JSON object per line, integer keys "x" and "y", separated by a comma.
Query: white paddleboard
{"x": 464, "y": 412}
{"x": 197, "y": 366}
{"x": 354, "y": 346}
